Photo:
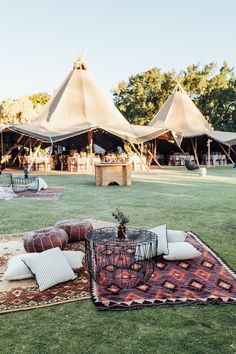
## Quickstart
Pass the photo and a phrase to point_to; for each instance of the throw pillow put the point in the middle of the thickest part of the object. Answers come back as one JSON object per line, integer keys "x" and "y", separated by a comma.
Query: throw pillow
{"x": 181, "y": 250}
{"x": 161, "y": 232}
{"x": 50, "y": 268}
{"x": 175, "y": 236}
{"x": 17, "y": 270}
{"x": 74, "y": 258}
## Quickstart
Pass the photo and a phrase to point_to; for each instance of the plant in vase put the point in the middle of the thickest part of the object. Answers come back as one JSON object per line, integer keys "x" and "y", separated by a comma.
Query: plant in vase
{"x": 122, "y": 221}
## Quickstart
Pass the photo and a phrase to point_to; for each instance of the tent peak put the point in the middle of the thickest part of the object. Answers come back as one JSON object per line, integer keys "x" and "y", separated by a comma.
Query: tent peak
{"x": 178, "y": 88}
{"x": 79, "y": 65}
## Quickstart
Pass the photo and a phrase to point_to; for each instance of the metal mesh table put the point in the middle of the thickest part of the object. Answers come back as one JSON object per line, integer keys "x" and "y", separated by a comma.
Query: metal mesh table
{"x": 5, "y": 179}
{"x": 120, "y": 263}
{"x": 25, "y": 185}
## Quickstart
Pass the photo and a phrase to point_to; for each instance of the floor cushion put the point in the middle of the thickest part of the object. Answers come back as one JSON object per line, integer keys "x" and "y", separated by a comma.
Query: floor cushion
{"x": 181, "y": 250}
{"x": 40, "y": 184}
{"x": 44, "y": 239}
{"x": 175, "y": 236}
{"x": 49, "y": 267}
{"x": 162, "y": 246}
{"x": 17, "y": 269}
{"x": 76, "y": 229}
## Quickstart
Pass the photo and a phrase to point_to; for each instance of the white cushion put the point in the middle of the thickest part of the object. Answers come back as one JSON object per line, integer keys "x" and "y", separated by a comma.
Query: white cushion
{"x": 181, "y": 250}
{"x": 18, "y": 270}
{"x": 175, "y": 236}
{"x": 162, "y": 247}
{"x": 42, "y": 184}
{"x": 49, "y": 267}
{"x": 74, "y": 258}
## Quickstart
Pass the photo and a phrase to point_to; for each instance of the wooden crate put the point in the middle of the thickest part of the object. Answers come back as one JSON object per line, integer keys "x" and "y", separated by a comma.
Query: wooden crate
{"x": 109, "y": 173}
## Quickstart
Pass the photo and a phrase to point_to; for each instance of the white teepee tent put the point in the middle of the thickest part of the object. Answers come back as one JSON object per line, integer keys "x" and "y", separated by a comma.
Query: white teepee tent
{"x": 78, "y": 106}
{"x": 180, "y": 115}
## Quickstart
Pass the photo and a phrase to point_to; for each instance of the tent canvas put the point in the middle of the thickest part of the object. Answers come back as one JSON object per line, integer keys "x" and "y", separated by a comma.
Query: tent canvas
{"x": 78, "y": 106}
{"x": 227, "y": 138}
{"x": 2, "y": 127}
{"x": 180, "y": 114}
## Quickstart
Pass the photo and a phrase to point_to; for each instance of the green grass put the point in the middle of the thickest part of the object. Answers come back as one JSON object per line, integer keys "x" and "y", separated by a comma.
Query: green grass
{"x": 182, "y": 200}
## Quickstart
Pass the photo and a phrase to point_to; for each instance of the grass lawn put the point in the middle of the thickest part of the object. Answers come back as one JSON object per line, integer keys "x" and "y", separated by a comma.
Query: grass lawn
{"x": 182, "y": 200}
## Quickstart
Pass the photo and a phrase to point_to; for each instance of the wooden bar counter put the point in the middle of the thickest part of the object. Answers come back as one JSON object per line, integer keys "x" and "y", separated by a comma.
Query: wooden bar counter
{"x": 113, "y": 173}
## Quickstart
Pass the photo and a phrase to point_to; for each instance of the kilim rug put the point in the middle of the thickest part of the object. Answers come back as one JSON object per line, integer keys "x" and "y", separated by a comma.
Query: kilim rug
{"x": 203, "y": 280}
{"x": 51, "y": 193}
{"x": 24, "y": 294}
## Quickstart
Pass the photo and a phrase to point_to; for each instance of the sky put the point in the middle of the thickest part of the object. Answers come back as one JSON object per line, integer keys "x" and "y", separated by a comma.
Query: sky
{"x": 40, "y": 40}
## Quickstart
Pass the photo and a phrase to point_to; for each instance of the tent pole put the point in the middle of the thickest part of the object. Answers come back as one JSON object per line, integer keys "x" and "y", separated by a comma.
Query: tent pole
{"x": 90, "y": 141}
{"x": 32, "y": 160}
{"x": 155, "y": 148}
{"x": 50, "y": 155}
{"x": 27, "y": 140}
{"x": 30, "y": 146}
{"x": 209, "y": 152}
{"x": 2, "y": 152}
{"x": 195, "y": 152}
{"x": 226, "y": 153}
{"x": 17, "y": 142}
{"x": 140, "y": 157}
{"x": 153, "y": 158}
{"x": 17, "y": 154}
{"x": 91, "y": 151}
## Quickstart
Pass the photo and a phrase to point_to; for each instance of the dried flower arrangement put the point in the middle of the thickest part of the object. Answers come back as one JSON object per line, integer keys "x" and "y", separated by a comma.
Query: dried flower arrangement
{"x": 122, "y": 220}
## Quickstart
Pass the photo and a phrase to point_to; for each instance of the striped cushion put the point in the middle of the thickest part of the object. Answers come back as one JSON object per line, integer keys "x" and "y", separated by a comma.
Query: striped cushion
{"x": 49, "y": 267}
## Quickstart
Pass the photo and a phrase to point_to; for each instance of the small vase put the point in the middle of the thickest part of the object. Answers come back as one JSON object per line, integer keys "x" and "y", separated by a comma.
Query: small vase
{"x": 121, "y": 232}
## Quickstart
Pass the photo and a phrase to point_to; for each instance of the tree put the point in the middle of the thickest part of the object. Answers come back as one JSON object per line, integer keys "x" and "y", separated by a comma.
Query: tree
{"x": 22, "y": 110}
{"x": 214, "y": 93}
{"x": 39, "y": 98}
{"x": 218, "y": 103}
{"x": 142, "y": 96}
{"x": 18, "y": 111}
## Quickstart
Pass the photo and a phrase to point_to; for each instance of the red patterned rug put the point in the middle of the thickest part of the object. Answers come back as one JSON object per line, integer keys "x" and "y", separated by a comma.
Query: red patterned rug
{"x": 203, "y": 280}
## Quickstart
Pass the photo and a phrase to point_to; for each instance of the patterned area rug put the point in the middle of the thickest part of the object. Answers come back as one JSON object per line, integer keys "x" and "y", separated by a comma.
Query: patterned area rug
{"x": 52, "y": 193}
{"x": 203, "y": 280}
{"x": 24, "y": 294}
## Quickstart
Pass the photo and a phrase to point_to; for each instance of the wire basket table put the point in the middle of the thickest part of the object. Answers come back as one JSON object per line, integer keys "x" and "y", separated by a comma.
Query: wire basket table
{"x": 27, "y": 185}
{"x": 6, "y": 180}
{"x": 113, "y": 262}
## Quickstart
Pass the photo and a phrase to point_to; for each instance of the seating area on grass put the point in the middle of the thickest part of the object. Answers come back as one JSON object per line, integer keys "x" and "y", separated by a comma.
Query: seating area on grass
{"x": 170, "y": 195}
{"x": 19, "y": 184}
{"x": 118, "y": 262}
{"x": 159, "y": 267}
{"x": 12, "y": 186}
